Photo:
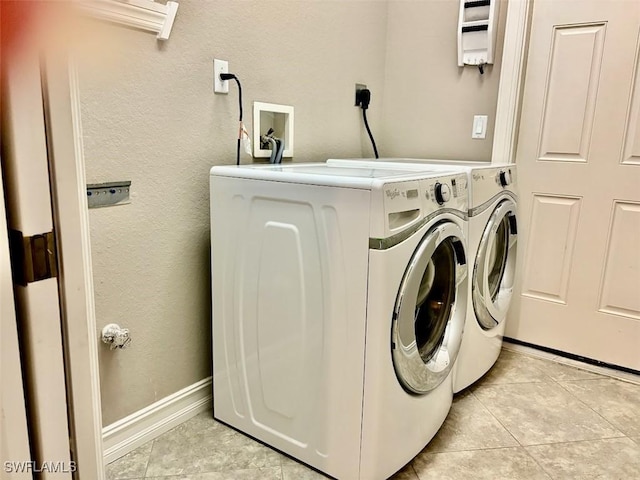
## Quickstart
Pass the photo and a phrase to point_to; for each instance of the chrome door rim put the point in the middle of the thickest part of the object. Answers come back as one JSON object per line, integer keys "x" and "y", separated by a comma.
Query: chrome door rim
{"x": 414, "y": 374}
{"x": 491, "y": 310}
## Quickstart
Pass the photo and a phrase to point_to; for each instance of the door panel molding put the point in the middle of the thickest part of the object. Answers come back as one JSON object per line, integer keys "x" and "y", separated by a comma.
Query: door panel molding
{"x": 570, "y": 92}
{"x": 620, "y": 295}
{"x": 631, "y": 142}
{"x": 552, "y": 235}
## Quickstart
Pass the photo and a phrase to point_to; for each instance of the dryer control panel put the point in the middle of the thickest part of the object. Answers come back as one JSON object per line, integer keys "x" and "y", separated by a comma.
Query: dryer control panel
{"x": 489, "y": 182}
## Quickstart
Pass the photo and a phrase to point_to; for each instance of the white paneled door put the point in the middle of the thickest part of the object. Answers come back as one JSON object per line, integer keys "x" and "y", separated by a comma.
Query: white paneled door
{"x": 578, "y": 160}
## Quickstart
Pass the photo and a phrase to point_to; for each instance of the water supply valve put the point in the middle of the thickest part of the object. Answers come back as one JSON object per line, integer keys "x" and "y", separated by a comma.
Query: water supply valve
{"x": 115, "y": 336}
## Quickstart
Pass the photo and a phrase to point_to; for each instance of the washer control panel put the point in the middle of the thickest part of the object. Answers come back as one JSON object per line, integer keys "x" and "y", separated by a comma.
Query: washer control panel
{"x": 441, "y": 192}
{"x": 407, "y": 203}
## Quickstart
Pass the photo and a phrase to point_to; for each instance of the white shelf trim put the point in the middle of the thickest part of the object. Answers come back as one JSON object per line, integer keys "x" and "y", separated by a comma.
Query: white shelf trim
{"x": 143, "y": 14}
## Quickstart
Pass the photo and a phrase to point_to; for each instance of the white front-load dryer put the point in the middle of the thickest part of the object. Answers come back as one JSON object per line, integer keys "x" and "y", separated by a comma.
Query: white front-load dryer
{"x": 493, "y": 240}
{"x": 492, "y": 247}
{"x": 338, "y": 309}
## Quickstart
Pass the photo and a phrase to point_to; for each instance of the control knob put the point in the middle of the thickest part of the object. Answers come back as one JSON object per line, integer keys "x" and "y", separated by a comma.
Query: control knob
{"x": 442, "y": 192}
{"x": 504, "y": 177}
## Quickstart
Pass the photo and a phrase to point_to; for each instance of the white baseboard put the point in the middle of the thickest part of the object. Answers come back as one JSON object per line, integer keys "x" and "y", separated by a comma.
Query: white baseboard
{"x": 125, "y": 435}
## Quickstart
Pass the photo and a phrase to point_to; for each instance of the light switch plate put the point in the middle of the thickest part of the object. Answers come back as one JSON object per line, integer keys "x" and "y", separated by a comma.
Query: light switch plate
{"x": 479, "y": 129}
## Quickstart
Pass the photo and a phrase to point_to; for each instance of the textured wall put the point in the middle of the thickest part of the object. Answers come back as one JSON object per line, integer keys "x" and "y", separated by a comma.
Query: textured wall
{"x": 149, "y": 116}
{"x": 429, "y": 102}
{"x": 152, "y": 118}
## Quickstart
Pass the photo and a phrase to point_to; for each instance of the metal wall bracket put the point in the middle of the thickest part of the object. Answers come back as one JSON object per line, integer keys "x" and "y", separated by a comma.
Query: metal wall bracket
{"x": 33, "y": 258}
{"x": 108, "y": 194}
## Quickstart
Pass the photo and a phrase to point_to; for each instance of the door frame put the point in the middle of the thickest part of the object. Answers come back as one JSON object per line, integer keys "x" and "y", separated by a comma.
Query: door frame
{"x": 61, "y": 98}
{"x": 62, "y": 91}
{"x": 510, "y": 86}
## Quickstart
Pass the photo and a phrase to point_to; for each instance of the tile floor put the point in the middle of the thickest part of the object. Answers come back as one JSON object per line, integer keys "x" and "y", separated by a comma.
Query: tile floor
{"x": 528, "y": 418}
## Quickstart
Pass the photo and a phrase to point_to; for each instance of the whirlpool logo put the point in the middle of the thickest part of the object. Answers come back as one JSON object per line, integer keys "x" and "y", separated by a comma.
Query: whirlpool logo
{"x": 392, "y": 193}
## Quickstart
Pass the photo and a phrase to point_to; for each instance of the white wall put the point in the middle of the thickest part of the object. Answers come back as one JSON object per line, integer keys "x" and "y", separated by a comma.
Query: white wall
{"x": 152, "y": 118}
{"x": 429, "y": 102}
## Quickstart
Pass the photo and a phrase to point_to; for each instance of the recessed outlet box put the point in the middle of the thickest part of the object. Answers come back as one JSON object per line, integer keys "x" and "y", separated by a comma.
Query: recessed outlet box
{"x": 272, "y": 116}
{"x": 220, "y": 66}
{"x": 359, "y": 87}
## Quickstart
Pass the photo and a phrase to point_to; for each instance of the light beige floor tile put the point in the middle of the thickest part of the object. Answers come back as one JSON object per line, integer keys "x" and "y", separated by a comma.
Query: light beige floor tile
{"x": 618, "y": 402}
{"x": 292, "y": 470}
{"x": 614, "y": 458}
{"x": 501, "y": 463}
{"x": 271, "y": 473}
{"x": 559, "y": 372}
{"x": 536, "y": 413}
{"x": 596, "y": 369}
{"x": 203, "y": 445}
{"x": 131, "y": 466}
{"x": 512, "y": 368}
{"x": 300, "y": 472}
{"x": 286, "y": 461}
{"x": 470, "y": 426}
{"x": 406, "y": 473}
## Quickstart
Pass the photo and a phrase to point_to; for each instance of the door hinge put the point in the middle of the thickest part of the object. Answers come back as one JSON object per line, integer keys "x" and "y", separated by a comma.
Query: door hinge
{"x": 33, "y": 258}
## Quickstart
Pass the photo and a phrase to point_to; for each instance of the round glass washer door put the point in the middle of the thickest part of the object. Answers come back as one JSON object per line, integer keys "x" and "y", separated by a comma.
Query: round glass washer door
{"x": 430, "y": 310}
{"x": 494, "y": 268}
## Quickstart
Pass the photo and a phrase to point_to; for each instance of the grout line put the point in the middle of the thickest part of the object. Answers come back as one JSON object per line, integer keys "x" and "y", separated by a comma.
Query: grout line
{"x": 497, "y": 419}
{"x": 592, "y": 409}
{"x": 413, "y": 469}
{"x": 565, "y": 389}
{"x": 146, "y": 467}
{"x": 548, "y": 474}
{"x": 550, "y": 444}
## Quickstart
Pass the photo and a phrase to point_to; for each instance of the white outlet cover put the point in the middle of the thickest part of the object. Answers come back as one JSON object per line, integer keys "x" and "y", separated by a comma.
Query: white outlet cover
{"x": 220, "y": 66}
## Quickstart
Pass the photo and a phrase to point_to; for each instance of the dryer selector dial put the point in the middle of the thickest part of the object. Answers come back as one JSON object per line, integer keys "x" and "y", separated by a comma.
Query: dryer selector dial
{"x": 504, "y": 177}
{"x": 442, "y": 192}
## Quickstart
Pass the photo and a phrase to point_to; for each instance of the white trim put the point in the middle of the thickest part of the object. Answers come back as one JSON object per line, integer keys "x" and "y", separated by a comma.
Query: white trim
{"x": 144, "y": 425}
{"x": 143, "y": 14}
{"x": 69, "y": 198}
{"x": 511, "y": 81}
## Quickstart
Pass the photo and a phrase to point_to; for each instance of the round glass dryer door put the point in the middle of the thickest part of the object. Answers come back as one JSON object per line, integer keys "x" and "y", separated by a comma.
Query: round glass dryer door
{"x": 430, "y": 310}
{"x": 494, "y": 269}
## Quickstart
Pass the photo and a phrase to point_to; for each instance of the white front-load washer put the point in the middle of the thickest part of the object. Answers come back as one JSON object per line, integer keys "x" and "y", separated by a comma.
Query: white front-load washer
{"x": 492, "y": 247}
{"x": 338, "y": 309}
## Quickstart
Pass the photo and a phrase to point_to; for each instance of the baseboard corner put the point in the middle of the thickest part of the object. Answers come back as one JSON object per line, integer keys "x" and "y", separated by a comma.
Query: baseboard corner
{"x": 140, "y": 427}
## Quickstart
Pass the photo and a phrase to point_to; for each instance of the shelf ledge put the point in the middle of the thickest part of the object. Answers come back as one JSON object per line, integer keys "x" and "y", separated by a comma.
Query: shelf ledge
{"x": 142, "y": 14}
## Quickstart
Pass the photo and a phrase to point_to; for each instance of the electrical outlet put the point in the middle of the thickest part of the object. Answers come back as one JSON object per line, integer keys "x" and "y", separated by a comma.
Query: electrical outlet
{"x": 220, "y": 66}
{"x": 359, "y": 88}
